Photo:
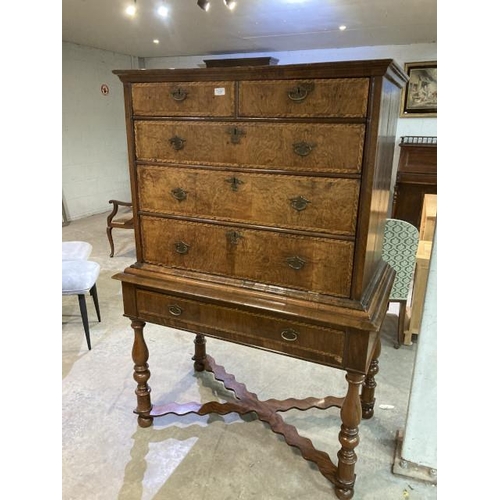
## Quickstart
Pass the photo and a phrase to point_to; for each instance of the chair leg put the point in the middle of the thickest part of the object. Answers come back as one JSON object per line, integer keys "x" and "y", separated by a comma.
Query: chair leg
{"x": 110, "y": 238}
{"x": 85, "y": 320}
{"x": 401, "y": 323}
{"x": 93, "y": 292}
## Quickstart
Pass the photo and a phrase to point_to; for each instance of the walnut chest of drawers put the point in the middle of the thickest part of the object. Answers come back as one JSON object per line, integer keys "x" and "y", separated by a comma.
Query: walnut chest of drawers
{"x": 260, "y": 196}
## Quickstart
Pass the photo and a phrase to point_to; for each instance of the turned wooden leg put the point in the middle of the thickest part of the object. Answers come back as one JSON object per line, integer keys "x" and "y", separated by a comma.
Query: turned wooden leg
{"x": 348, "y": 437}
{"x": 140, "y": 355}
{"x": 200, "y": 352}
{"x": 368, "y": 390}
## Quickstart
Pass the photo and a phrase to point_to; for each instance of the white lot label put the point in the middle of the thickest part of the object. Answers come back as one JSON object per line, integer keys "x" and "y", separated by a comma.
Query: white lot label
{"x": 220, "y": 91}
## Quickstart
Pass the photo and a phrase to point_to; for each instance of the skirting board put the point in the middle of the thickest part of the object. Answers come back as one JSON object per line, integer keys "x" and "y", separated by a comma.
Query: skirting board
{"x": 403, "y": 467}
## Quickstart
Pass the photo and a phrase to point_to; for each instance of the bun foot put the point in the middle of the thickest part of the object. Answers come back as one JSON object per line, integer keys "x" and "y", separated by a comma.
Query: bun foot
{"x": 344, "y": 494}
{"x": 145, "y": 421}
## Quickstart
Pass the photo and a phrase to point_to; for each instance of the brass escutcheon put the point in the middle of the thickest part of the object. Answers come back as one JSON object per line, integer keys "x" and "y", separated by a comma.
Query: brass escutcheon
{"x": 290, "y": 335}
{"x": 235, "y": 134}
{"x": 177, "y": 142}
{"x": 235, "y": 182}
{"x": 234, "y": 237}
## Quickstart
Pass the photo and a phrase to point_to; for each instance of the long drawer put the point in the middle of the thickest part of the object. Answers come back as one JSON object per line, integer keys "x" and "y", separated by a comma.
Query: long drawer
{"x": 326, "y": 205}
{"x": 295, "y": 338}
{"x": 288, "y": 146}
{"x": 341, "y": 97}
{"x": 321, "y": 265}
{"x": 184, "y": 99}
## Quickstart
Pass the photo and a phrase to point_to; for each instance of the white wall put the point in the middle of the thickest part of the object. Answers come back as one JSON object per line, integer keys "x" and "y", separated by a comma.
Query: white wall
{"x": 94, "y": 143}
{"x": 423, "y": 392}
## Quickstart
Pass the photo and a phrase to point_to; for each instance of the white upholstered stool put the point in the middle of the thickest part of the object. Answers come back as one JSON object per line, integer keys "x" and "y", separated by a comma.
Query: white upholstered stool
{"x": 76, "y": 250}
{"x": 78, "y": 278}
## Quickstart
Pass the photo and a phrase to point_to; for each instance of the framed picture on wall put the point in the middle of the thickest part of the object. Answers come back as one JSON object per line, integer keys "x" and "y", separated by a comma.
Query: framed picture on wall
{"x": 419, "y": 97}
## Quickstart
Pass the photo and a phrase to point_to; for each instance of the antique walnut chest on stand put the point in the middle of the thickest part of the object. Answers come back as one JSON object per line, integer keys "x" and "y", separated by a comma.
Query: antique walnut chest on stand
{"x": 260, "y": 196}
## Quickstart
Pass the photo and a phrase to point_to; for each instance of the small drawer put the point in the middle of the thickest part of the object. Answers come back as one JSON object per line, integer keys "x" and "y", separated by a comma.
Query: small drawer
{"x": 326, "y": 205}
{"x": 340, "y": 98}
{"x": 183, "y": 99}
{"x": 295, "y": 147}
{"x": 322, "y": 265}
{"x": 255, "y": 328}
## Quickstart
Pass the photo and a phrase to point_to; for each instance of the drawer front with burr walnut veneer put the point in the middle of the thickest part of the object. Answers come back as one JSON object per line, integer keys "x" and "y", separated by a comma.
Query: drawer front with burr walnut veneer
{"x": 316, "y": 204}
{"x": 260, "y": 196}
{"x": 278, "y": 258}
{"x": 294, "y": 147}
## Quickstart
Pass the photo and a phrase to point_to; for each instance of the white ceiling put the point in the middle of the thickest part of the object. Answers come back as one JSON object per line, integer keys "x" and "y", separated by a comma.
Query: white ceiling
{"x": 253, "y": 26}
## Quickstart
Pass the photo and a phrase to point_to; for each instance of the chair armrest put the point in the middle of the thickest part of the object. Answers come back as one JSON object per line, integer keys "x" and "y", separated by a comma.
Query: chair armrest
{"x": 116, "y": 204}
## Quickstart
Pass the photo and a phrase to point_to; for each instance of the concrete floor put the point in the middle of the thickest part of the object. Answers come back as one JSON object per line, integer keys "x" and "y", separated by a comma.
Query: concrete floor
{"x": 107, "y": 456}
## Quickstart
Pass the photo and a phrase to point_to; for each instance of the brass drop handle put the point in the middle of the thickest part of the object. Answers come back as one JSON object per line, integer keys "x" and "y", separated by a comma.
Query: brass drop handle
{"x": 300, "y": 92}
{"x": 181, "y": 247}
{"x": 296, "y": 262}
{"x": 303, "y": 148}
{"x": 179, "y": 194}
{"x": 299, "y": 203}
{"x": 290, "y": 335}
{"x": 178, "y": 94}
{"x": 175, "y": 310}
{"x": 177, "y": 142}
{"x": 235, "y": 133}
{"x": 234, "y": 237}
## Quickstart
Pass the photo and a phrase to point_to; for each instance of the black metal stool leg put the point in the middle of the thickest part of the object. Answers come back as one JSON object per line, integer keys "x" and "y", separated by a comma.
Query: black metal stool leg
{"x": 93, "y": 292}
{"x": 85, "y": 320}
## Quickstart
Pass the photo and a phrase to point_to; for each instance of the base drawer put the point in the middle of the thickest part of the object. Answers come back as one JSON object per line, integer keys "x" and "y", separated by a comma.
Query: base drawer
{"x": 295, "y": 338}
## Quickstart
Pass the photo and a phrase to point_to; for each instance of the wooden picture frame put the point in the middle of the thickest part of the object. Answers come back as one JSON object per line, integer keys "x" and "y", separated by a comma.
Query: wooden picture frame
{"x": 419, "y": 97}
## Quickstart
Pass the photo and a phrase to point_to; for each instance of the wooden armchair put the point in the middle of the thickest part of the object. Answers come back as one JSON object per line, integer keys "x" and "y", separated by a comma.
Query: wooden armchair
{"x": 120, "y": 219}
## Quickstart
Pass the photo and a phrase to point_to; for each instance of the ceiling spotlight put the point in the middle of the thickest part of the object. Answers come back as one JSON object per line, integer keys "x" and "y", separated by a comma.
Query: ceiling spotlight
{"x": 343, "y": 27}
{"x": 204, "y": 4}
{"x": 162, "y": 11}
{"x": 131, "y": 10}
{"x": 230, "y": 4}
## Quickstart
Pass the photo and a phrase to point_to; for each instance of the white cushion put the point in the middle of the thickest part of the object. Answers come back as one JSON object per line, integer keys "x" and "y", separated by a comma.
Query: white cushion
{"x": 76, "y": 250}
{"x": 79, "y": 276}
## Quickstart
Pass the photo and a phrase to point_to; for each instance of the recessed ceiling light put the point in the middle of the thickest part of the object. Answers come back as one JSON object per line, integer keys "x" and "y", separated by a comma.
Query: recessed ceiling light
{"x": 162, "y": 11}
{"x": 156, "y": 40}
{"x": 131, "y": 10}
{"x": 230, "y": 4}
{"x": 343, "y": 27}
